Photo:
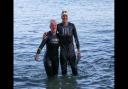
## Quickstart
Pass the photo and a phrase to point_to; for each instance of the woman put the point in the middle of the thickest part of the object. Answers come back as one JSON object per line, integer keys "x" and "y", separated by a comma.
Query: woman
{"x": 51, "y": 61}
{"x": 67, "y": 31}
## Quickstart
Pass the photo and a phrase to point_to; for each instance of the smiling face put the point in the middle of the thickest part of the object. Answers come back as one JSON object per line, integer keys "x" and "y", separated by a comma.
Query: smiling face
{"x": 53, "y": 26}
{"x": 64, "y": 18}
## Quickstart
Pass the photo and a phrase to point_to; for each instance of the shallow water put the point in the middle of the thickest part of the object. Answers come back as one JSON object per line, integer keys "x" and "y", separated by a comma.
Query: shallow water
{"x": 94, "y": 20}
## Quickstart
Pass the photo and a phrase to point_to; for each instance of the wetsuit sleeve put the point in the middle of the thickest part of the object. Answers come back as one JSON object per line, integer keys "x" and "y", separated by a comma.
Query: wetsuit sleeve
{"x": 41, "y": 46}
{"x": 76, "y": 37}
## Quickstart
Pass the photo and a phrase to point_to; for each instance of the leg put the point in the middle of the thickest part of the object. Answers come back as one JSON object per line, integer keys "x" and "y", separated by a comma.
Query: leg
{"x": 48, "y": 68}
{"x": 73, "y": 65}
{"x": 55, "y": 65}
{"x": 63, "y": 63}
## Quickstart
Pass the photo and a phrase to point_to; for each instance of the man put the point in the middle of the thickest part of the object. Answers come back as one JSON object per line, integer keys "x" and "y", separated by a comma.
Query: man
{"x": 51, "y": 60}
{"x": 67, "y": 31}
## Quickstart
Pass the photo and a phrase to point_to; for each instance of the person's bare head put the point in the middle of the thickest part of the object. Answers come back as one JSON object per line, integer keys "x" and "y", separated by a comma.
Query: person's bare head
{"x": 53, "y": 25}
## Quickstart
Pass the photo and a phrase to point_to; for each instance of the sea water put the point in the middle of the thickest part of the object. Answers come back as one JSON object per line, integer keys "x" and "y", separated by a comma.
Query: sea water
{"x": 94, "y": 21}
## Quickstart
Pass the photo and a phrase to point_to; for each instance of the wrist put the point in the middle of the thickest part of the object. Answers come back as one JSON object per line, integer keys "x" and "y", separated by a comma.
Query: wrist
{"x": 78, "y": 50}
{"x": 38, "y": 51}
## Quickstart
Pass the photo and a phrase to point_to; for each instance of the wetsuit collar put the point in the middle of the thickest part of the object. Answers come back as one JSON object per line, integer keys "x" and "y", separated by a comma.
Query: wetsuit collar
{"x": 63, "y": 23}
{"x": 53, "y": 33}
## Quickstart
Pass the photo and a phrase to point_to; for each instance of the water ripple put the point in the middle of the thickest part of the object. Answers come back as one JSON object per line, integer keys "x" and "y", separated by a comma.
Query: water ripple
{"x": 95, "y": 26}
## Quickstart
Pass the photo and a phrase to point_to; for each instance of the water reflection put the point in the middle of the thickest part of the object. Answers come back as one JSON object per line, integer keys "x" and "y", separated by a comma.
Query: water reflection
{"x": 63, "y": 82}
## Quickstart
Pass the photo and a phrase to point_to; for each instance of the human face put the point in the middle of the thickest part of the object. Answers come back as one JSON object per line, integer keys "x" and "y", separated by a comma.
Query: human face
{"x": 65, "y": 18}
{"x": 53, "y": 27}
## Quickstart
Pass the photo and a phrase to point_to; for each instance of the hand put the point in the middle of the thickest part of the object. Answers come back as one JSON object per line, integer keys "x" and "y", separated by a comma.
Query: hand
{"x": 78, "y": 55}
{"x": 36, "y": 57}
{"x": 45, "y": 35}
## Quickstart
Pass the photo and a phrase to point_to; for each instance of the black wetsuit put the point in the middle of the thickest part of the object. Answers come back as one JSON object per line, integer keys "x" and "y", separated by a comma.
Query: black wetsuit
{"x": 51, "y": 60}
{"x": 67, "y": 51}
